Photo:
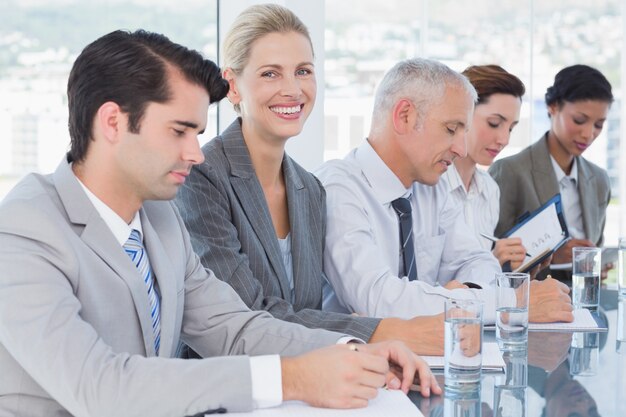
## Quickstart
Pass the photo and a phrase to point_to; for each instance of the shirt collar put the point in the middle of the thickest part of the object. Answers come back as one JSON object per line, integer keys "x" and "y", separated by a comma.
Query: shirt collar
{"x": 120, "y": 229}
{"x": 560, "y": 174}
{"x": 477, "y": 184}
{"x": 385, "y": 184}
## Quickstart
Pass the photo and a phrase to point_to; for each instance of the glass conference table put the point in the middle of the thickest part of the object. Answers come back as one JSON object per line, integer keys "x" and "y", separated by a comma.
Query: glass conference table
{"x": 562, "y": 374}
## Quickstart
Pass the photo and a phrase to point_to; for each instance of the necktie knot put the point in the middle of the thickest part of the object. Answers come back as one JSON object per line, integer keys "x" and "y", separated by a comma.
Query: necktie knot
{"x": 402, "y": 206}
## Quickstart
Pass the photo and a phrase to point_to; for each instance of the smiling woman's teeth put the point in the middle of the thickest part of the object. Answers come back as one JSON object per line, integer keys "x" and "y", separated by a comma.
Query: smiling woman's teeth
{"x": 285, "y": 110}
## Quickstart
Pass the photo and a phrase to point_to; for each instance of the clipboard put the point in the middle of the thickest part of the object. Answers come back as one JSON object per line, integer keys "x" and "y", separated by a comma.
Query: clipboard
{"x": 542, "y": 232}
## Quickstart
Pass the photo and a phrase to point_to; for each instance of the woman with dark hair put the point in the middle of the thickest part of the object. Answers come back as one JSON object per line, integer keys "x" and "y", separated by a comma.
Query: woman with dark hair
{"x": 578, "y": 104}
{"x": 495, "y": 115}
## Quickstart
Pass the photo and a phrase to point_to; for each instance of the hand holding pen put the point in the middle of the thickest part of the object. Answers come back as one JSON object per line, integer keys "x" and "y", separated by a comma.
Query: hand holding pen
{"x": 508, "y": 250}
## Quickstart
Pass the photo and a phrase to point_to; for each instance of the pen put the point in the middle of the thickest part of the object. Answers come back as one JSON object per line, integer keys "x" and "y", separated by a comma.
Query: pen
{"x": 495, "y": 239}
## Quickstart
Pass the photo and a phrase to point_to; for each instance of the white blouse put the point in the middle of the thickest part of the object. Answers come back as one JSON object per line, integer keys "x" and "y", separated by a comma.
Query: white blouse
{"x": 481, "y": 204}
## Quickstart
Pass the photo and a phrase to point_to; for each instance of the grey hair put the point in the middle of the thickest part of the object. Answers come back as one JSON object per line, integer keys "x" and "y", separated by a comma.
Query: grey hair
{"x": 422, "y": 81}
{"x": 254, "y": 23}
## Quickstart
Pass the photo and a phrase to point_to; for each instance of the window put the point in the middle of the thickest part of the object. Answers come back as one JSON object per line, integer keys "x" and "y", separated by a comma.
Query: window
{"x": 39, "y": 41}
{"x": 532, "y": 39}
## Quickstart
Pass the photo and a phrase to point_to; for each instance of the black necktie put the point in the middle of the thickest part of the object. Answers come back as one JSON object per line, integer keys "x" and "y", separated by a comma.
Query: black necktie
{"x": 402, "y": 206}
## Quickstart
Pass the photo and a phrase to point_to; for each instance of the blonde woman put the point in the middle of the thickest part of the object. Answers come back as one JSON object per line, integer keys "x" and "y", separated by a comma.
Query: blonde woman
{"x": 255, "y": 216}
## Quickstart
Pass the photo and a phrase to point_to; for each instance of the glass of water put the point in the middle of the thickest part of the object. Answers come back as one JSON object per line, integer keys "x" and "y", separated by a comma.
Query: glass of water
{"x": 621, "y": 266}
{"x": 463, "y": 344}
{"x": 512, "y": 297}
{"x": 586, "y": 266}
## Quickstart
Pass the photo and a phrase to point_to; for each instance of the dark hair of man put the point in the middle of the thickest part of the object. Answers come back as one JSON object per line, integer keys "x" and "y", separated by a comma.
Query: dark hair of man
{"x": 493, "y": 79}
{"x": 578, "y": 83}
{"x": 130, "y": 69}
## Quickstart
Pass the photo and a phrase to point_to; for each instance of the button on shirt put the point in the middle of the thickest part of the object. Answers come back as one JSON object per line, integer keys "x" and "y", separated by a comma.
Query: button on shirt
{"x": 265, "y": 371}
{"x": 362, "y": 246}
{"x": 570, "y": 198}
{"x": 481, "y": 203}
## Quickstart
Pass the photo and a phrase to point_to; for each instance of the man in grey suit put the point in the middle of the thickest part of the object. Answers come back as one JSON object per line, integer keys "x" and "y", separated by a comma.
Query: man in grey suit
{"x": 100, "y": 283}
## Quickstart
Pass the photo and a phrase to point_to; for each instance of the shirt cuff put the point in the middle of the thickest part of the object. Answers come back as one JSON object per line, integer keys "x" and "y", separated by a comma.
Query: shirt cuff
{"x": 349, "y": 339}
{"x": 267, "y": 381}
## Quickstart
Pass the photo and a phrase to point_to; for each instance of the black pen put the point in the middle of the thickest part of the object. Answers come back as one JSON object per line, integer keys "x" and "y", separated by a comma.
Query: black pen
{"x": 495, "y": 239}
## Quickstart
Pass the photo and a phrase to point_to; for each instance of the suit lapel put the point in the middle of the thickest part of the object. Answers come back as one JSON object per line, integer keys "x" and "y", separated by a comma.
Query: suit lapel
{"x": 588, "y": 200}
{"x": 250, "y": 195}
{"x": 543, "y": 174}
{"x": 297, "y": 196}
{"x": 97, "y": 235}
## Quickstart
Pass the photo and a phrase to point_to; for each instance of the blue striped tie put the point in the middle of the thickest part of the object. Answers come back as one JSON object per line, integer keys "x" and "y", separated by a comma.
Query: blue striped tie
{"x": 134, "y": 248}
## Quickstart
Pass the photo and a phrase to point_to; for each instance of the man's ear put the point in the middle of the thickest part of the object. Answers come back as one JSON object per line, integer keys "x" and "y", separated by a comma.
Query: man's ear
{"x": 403, "y": 116}
{"x": 110, "y": 121}
{"x": 233, "y": 92}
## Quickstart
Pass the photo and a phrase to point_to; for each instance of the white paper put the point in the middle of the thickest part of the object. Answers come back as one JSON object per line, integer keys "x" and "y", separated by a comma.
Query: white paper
{"x": 542, "y": 232}
{"x": 387, "y": 403}
{"x": 491, "y": 356}
{"x": 583, "y": 321}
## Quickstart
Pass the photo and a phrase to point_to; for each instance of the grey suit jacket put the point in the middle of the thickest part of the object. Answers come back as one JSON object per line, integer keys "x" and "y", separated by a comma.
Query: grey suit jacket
{"x": 75, "y": 327}
{"x": 527, "y": 180}
{"x": 224, "y": 208}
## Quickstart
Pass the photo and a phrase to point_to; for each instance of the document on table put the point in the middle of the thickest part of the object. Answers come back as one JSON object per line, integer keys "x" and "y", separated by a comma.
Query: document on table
{"x": 491, "y": 357}
{"x": 583, "y": 322}
{"x": 387, "y": 403}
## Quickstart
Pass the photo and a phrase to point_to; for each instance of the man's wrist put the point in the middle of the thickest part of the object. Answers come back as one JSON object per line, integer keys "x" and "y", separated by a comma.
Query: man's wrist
{"x": 290, "y": 383}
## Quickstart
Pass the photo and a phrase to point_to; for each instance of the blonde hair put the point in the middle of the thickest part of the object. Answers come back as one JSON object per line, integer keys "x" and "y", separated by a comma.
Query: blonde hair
{"x": 252, "y": 24}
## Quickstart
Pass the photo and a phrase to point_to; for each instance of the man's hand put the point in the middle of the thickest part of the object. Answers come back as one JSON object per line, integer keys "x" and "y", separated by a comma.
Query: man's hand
{"x": 348, "y": 376}
{"x": 423, "y": 335}
{"x": 510, "y": 250}
{"x": 334, "y": 377}
{"x": 549, "y": 302}
{"x": 407, "y": 368}
{"x": 564, "y": 254}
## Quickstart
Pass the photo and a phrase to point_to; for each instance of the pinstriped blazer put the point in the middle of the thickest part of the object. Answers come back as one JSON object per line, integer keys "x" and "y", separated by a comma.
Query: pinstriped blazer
{"x": 224, "y": 208}
{"x": 527, "y": 180}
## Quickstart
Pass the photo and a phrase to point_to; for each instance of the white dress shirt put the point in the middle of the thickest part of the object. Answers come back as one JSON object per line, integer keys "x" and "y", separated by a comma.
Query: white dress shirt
{"x": 265, "y": 370}
{"x": 570, "y": 198}
{"x": 361, "y": 259}
{"x": 481, "y": 203}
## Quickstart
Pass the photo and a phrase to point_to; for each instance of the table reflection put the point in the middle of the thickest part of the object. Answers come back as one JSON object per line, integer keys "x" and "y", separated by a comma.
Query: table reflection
{"x": 561, "y": 374}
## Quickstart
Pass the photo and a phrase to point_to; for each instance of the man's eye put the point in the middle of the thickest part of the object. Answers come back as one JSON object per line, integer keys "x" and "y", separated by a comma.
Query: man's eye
{"x": 178, "y": 132}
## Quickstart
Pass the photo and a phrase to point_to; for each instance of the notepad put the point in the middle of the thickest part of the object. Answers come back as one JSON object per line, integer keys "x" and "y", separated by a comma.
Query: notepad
{"x": 387, "y": 403}
{"x": 542, "y": 232}
{"x": 583, "y": 322}
{"x": 491, "y": 357}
